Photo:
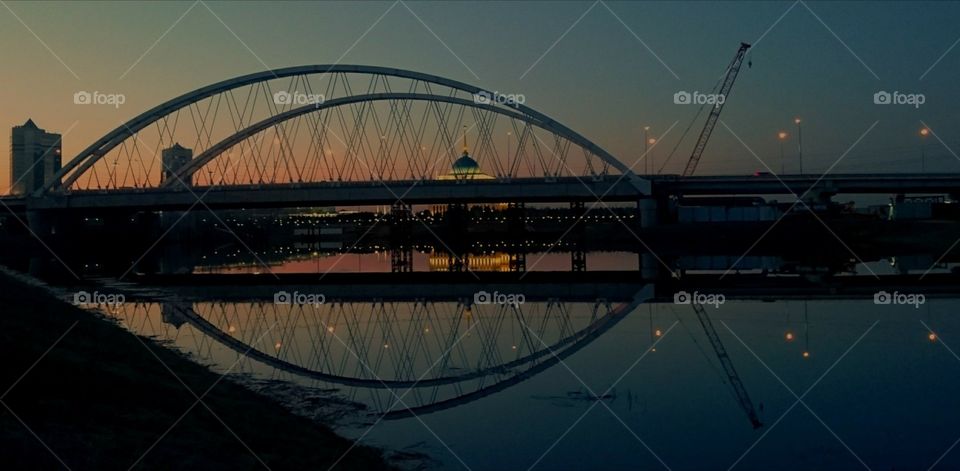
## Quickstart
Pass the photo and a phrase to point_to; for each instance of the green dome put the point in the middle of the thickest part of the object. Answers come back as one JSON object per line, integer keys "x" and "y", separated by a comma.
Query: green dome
{"x": 465, "y": 165}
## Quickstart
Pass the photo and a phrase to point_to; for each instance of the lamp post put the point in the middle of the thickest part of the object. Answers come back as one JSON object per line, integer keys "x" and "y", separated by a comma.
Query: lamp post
{"x": 646, "y": 142}
{"x": 651, "y": 141}
{"x": 799, "y": 143}
{"x": 509, "y": 164}
{"x": 782, "y": 136}
{"x": 924, "y": 132}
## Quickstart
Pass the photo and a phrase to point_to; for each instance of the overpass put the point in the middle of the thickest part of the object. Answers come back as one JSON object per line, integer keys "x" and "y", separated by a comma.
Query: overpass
{"x": 768, "y": 184}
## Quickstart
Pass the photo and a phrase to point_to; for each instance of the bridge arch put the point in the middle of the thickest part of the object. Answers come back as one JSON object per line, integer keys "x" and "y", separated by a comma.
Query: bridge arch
{"x": 218, "y": 149}
{"x": 167, "y": 114}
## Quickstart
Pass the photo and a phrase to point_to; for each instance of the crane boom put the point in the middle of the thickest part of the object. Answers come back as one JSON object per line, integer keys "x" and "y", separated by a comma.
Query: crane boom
{"x": 732, "y": 71}
{"x": 738, "y": 389}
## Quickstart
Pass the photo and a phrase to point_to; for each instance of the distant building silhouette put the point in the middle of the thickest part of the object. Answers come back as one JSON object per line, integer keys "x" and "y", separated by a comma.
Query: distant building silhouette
{"x": 175, "y": 158}
{"x": 34, "y": 158}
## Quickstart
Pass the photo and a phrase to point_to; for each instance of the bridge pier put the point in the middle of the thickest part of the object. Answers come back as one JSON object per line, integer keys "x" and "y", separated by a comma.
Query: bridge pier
{"x": 43, "y": 223}
{"x": 647, "y": 212}
{"x": 650, "y": 268}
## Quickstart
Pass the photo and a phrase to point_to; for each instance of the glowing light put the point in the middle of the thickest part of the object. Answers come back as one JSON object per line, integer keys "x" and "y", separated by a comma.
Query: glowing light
{"x": 278, "y": 345}
{"x": 789, "y": 336}
{"x": 330, "y": 329}
{"x": 806, "y": 354}
{"x": 932, "y": 337}
{"x": 657, "y": 332}
{"x": 386, "y": 345}
{"x": 924, "y": 132}
{"x": 782, "y": 135}
{"x": 796, "y": 120}
{"x": 231, "y": 329}
{"x": 652, "y": 141}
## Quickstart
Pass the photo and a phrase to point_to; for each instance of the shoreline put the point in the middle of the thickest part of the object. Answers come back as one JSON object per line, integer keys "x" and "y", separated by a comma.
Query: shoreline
{"x": 82, "y": 392}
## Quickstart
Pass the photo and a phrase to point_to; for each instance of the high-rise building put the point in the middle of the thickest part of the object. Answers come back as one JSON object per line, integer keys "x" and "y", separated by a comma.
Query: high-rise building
{"x": 34, "y": 158}
{"x": 175, "y": 158}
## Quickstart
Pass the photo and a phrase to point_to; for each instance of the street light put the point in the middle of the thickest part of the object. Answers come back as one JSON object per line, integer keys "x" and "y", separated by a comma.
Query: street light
{"x": 653, "y": 168}
{"x": 924, "y": 132}
{"x": 782, "y": 136}
{"x": 646, "y": 143}
{"x": 799, "y": 143}
{"x": 509, "y": 133}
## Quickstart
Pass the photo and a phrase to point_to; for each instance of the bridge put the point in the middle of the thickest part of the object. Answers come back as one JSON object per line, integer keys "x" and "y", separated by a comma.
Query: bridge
{"x": 336, "y": 135}
{"x": 524, "y": 190}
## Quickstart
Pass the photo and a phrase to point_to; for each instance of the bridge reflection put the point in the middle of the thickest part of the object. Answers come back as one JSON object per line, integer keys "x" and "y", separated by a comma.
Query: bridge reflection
{"x": 432, "y": 343}
{"x": 396, "y": 358}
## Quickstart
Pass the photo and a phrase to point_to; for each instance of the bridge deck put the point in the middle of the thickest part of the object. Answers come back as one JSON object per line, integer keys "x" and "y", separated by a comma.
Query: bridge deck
{"x": 530, "y": 190}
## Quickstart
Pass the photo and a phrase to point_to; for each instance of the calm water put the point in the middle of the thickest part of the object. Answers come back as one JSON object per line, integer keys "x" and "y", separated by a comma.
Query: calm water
{"x": 567, "y": 369}
{"x": 577, "y": 385}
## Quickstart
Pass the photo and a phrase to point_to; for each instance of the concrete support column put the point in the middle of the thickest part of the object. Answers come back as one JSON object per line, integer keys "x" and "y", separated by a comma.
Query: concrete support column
{"x": 647, "y": 210}
{"x": 650, "y": 267}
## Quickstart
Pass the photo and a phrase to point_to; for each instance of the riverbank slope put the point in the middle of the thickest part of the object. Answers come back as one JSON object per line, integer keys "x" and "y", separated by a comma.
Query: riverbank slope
{"x": 81, "y": 392}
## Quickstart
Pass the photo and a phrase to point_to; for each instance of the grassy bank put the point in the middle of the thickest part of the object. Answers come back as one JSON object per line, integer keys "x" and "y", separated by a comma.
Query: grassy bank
{"x": 101, "y": 400}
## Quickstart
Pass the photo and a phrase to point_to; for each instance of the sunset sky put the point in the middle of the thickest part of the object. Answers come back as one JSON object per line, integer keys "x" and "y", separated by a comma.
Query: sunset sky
{"x": 603, "y": 69}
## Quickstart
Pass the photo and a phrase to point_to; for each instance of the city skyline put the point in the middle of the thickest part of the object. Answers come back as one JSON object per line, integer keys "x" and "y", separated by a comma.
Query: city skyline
{"x": 814, "y": 60}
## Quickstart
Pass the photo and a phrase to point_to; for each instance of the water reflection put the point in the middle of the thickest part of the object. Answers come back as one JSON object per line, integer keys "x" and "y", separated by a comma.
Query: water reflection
{"x": 483, "y": 375}
{"x": 601, "y": 355}
{"x": 442, "y": 354}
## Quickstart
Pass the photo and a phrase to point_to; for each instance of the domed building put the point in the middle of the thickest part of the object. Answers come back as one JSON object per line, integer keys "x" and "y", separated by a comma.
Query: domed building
{"x": 465, "y": 168}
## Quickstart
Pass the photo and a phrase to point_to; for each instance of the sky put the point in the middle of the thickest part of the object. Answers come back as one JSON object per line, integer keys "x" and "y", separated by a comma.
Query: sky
{"x": 605, "y": 69}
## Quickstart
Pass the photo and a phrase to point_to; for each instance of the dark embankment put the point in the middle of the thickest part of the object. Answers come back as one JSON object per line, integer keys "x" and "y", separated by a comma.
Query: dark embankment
{"x": 101, "y": 399}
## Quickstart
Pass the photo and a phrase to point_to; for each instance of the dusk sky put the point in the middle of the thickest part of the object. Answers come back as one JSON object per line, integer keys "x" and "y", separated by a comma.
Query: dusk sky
{"x": 603, "y": 69}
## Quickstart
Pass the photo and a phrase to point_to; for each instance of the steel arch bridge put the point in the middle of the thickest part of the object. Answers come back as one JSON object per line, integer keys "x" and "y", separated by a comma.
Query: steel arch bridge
{"x": 331, "y": 124}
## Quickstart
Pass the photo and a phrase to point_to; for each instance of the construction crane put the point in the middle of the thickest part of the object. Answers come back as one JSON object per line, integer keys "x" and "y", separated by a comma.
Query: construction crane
{"x": 732, "y": 377}
{"x": 732, "y": 71}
